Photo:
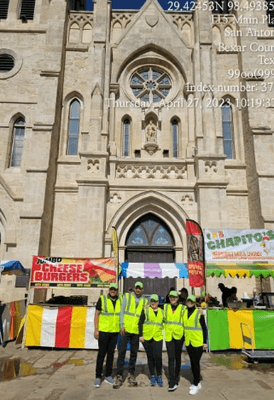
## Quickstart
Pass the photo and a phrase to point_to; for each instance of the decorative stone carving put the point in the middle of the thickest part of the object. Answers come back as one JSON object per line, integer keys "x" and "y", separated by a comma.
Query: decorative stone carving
{"x": 115, "y": 198}
{"x": 145, "y": 172}
{"x": 151, "y": 138}
{"x": 80, "y": 28}
{"x": 151, "y": 132}
{"x": 152, "y": 20}
{"x": 187, "y": 200}
{"x": 93, "y": 166}
{"x": 184, "y": 23}
{"x": 122, "y": 18}
{"x": 112, "y": 148}
{"x": 211, "y": 167}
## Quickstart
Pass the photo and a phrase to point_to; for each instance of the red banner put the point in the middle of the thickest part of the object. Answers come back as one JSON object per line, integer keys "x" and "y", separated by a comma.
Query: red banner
{"x": 195, "y": 254}
{"x": 72, "y": 272}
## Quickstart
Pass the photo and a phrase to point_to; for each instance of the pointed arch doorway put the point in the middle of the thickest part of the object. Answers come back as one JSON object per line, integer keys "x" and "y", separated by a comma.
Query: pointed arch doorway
{"x": 150, "y": 240}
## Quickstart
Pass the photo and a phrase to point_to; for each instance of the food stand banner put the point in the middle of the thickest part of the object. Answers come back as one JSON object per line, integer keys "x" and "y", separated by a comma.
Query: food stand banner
{"x": 195, "y": 254}
{"x": 63, "y": 327}
{"x": 239, "y": 246}
{"x": 72, "y": 272}
{"x": 258, "y": 326}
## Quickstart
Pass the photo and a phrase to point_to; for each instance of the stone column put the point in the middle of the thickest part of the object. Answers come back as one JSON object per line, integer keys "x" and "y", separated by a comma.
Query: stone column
{"x": 114, "y": 90}
{"x": 211, "y": 182}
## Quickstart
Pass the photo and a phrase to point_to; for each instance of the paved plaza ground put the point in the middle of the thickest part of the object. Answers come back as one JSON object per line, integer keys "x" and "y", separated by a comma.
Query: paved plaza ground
{"x": 45, "y": 374}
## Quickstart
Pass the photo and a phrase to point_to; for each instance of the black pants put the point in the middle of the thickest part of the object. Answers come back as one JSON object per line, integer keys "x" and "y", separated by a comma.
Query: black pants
{"x": 154, "y": 356}
{"x": 122, "y": 348}
{"x": 195, "y": 354}
{"x": 174, "y": 351}
{"x": 107, "y": 342}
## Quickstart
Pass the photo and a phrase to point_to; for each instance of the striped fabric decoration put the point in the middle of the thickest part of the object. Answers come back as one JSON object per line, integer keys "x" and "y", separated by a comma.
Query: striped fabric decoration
{"x": 225, "y": 329}
{"x": 11, "y": 315}
{"x": 154, "y": 270}
{"x": 61, "y": 327}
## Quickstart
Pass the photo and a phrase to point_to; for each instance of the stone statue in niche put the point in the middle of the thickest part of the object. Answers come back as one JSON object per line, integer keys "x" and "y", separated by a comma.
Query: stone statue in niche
{"x": 151, "y": 132}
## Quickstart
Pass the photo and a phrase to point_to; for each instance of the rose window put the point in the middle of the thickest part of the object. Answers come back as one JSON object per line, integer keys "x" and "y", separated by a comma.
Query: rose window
{"x": 150, "y": 84}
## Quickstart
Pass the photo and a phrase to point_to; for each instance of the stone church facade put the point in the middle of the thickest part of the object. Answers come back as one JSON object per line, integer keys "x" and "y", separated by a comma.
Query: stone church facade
{"x": 112, "y": 115}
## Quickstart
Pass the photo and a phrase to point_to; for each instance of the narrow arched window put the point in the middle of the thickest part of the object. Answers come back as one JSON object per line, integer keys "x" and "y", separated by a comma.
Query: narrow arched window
{"x": 4, "y": 7}
{"x": 27, "y": 10}
{"x": 227, "y": 130}
{"x": 126, "y": 132}
{"x": 17, "y": 142}
{"x": 74, "y": 125}
{"x": 175, "y": 138}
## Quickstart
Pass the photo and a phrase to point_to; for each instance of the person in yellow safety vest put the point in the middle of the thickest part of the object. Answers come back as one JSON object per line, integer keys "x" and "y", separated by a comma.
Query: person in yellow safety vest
{"x": 151, "y": 335}
{"x": 106, "y": 331}
{"x": 173, "y": 324}
{"x": 195, "y": 340}
{"x": 132, "y": 306}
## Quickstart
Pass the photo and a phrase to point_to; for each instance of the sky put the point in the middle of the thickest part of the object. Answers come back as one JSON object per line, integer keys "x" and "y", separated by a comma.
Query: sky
{"x": 130, "y": 4}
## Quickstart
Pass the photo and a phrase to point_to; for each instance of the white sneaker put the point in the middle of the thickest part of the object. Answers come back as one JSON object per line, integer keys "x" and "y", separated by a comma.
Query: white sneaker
{"x": 194, "y": 389}
{"x": 191, "y": 387}
{"x": 199, "y": 386}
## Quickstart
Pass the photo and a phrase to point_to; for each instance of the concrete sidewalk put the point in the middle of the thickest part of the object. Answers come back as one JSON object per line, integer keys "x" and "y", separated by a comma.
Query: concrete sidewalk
{"x": 42, "y": 374}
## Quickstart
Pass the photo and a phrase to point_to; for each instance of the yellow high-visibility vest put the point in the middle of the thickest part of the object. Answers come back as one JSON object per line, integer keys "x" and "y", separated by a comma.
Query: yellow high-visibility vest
{"x": 173, "y": 322}
{"x": 153, "y": 325}
{"x": 109, "y": 316}
{"x": 193, "y": 329}
{"x": 132, "y": 313}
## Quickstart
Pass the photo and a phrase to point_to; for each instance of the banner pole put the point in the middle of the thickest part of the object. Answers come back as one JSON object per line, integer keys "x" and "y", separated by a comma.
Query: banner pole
{"x": 115, "y": 246}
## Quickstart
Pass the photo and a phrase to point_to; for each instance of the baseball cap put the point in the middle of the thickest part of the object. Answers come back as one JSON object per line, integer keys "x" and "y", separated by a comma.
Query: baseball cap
{"x": 154, "y": 297}
{"x": 173, "y": 293}
{"x": 139, "y": 284}
{"x": 113, "y": 285}
{"x": 192, "y": 298}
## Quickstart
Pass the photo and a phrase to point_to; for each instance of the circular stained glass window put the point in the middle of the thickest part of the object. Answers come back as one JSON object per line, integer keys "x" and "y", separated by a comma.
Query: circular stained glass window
{"x": 150, "y": 84}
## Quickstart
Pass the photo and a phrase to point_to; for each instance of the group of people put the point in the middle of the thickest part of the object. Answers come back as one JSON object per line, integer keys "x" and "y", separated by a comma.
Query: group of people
{"x": 137, "y": 319}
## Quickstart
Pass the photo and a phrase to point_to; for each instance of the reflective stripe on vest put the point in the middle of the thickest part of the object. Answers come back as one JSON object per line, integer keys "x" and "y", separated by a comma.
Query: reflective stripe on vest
{"x": 109, "y": 316}
{"x": 193, "y": 329}
{"x": 133, "y": 313}
{"x": 173, "y": 322}
{"x": 153, "y": 325}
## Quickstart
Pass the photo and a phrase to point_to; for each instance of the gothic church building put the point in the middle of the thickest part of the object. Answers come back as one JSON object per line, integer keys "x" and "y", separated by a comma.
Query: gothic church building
{"x": 137, "y": 119}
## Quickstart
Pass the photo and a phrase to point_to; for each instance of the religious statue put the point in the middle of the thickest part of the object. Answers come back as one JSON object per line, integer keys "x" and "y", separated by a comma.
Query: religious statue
{"x": 151, "y": 131}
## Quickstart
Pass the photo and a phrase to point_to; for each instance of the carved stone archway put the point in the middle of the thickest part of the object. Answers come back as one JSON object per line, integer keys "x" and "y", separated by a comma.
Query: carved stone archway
{"x": 159, "y": 205}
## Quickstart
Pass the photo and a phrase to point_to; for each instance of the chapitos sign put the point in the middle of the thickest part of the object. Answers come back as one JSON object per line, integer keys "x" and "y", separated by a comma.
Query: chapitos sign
{"x": 252, "y": 245}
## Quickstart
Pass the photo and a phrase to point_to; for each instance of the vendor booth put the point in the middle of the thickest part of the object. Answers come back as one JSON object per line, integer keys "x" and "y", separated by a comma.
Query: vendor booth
{"x": 240, "y": 254}
{"x": 69, "y": 324}
{"x": 11, "y": 313}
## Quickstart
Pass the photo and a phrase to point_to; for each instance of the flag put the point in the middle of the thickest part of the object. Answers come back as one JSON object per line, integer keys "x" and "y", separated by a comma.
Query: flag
{"x": 195, "y": 254}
